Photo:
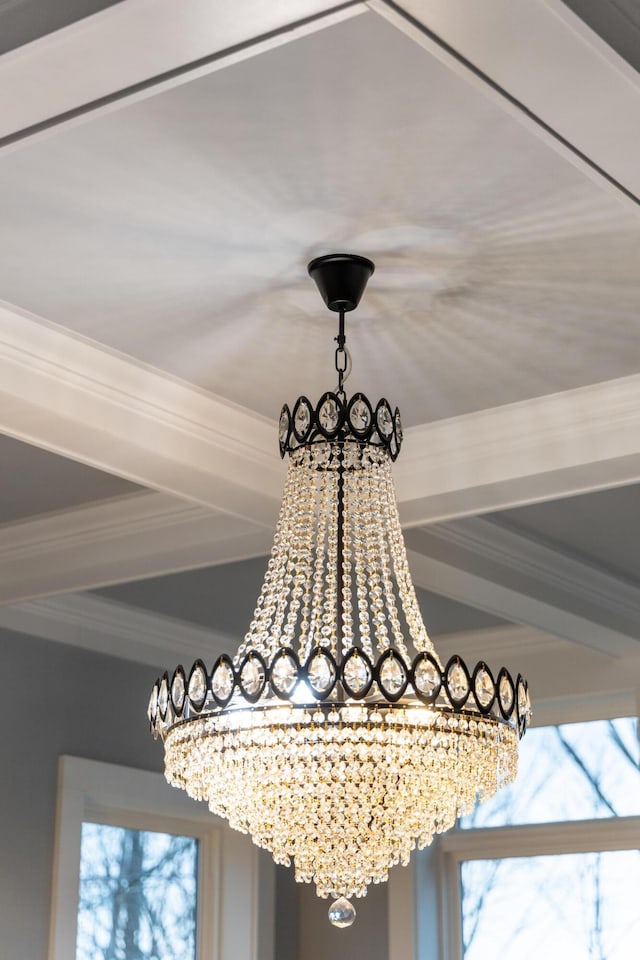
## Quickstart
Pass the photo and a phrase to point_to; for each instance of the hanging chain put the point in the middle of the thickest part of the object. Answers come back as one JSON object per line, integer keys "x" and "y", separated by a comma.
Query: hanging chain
{"x": 342, "y": 359}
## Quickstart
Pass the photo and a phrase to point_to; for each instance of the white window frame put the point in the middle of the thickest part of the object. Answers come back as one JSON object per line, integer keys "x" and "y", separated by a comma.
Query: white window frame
{"x": 530, "y": 840}
{"x": 230, "y": 877}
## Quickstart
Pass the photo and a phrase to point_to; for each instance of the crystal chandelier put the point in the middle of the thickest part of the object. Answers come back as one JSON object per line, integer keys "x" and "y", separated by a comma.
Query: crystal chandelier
{"x": 335, "y": 736}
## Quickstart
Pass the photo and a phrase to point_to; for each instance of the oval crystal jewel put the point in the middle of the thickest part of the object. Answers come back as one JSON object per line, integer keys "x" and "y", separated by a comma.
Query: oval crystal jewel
{"x": 356, "y": 672}
{"x": 177, "y": 690}
{"x": 384, "y": 420}
{"x": 302, "y": 419}
{"x": 163, "y": 697}
{"x": 360, "y": 415}
{"x": 392, "y": 675}
{"x": 197, "y": 686}
{"x": 222, "y": 680}
{"x": 457, "y": 681}
{"x": 251, "y": 676}
{"x": 320, "y": 672}
{"x": 483, "y": 688}
{"x": 524, "y": 704}
{"x": 398, "y": 426}
{"x": 328, "y": 415}
{"x": 284, "y": 673}
{"x": 152, "y": 709}
{"x": 506, "y": 693}
{"x": 283, "y": 426}
{"x": 342, "y": 913}
{"x": 426, "y": 678}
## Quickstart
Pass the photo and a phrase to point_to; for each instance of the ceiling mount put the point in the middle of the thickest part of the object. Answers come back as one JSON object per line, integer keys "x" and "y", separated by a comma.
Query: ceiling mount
{"x": 341, "y": 279}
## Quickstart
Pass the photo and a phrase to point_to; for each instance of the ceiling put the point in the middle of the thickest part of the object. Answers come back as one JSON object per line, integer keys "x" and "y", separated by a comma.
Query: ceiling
{"x": 158, "y": 211}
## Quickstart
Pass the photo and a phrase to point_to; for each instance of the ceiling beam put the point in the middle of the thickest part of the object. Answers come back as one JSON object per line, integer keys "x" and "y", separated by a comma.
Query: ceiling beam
{"x": 545, "y": 448}
{"x": 128, "y": 538}
{"x": 478, "y": 562}
{"x": 140, "y": 48}
{"x": 74, "y": 397}
{"x": 544, "y": 67}
{"x": 117, "y": 629}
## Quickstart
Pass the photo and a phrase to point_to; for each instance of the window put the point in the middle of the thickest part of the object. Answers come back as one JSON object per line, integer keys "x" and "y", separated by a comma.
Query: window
{"x": 551, "y": 865}
{"x": 141, "y": 872}
{"x": 137, "y": 895}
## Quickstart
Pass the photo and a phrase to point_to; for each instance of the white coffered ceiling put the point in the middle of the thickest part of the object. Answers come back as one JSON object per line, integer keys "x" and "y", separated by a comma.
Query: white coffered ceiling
{"x": 163, "y": 183}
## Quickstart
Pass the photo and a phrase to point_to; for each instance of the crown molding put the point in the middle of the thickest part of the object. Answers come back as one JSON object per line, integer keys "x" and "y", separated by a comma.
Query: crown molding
{"x": 490, "y": 540}
{"x": 545, "y": 448}
{"x": 69, "y": 395}
{"x": 585, "y": 104}
{"x": 135, "y": 50}
{"x": 127, "y": 538}
{"x": 116, "y": 629}
{"x": 478, "y": 562}
{"x": 79, "y": 399}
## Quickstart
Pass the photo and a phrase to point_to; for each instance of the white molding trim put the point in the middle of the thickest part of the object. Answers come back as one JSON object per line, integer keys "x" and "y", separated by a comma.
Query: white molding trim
{"x": 463, "y": 577}
{"x": 117, "y": 629}
{"x": 127, "y": 538}
{"x": 585, "y": 93}
{"x": 80, "y": 399}
{"x": 549, "y": 447}
{"x": 131, "y": 44}
{"x": 229, "y": 862}
{"x": 521, "y": 579}
{"x": 492, "y": 541}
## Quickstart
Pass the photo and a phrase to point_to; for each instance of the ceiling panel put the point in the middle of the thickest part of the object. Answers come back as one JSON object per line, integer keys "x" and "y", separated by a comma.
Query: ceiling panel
{"x": 224, "y": 597}
{"x": 35, "y": 481}
{"x": 602, "y": 528}
{"x": 178, "y": 230}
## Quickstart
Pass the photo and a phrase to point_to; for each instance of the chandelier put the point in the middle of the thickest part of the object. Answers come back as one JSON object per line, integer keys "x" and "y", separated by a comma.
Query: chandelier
{"x": 335, "y": 736}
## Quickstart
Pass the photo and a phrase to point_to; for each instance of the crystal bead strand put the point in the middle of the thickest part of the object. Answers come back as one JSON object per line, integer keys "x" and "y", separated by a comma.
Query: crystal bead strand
{"x": 315, "y": 620}
{"x": 361, "y": 566}
{"x": 257, "y": 635}
{"x": 406, "y": 589}
{"x": 372, "y": 510}
{"x": 299, "y": 607}
{"x": 330, "y": 605}
{"x": 301, "y": 551}
{"x": 383, "y": 549}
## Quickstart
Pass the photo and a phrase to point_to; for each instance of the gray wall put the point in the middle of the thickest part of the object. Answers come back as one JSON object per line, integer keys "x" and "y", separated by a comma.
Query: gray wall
{"x": 56, "y": 699}
{"x": 59, "y": 699}
{"x": 367, "y": 939}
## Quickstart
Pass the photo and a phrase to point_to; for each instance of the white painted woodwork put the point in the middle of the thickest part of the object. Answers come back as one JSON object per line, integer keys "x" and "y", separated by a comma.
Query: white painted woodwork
{"x": 549, "y": 61}
{"x": 130, "y": 43}
{"x": 79, "y": 399}
{"x": 128, "y": 538}
{"x": 230, "y": 882}
{"x": 481, "y": 563}
{"x": 118, "y": 629}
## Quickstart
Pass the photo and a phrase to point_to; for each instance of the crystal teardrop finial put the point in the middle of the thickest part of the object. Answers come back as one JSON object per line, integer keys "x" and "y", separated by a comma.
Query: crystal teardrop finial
{"x": 341, "y": 913}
